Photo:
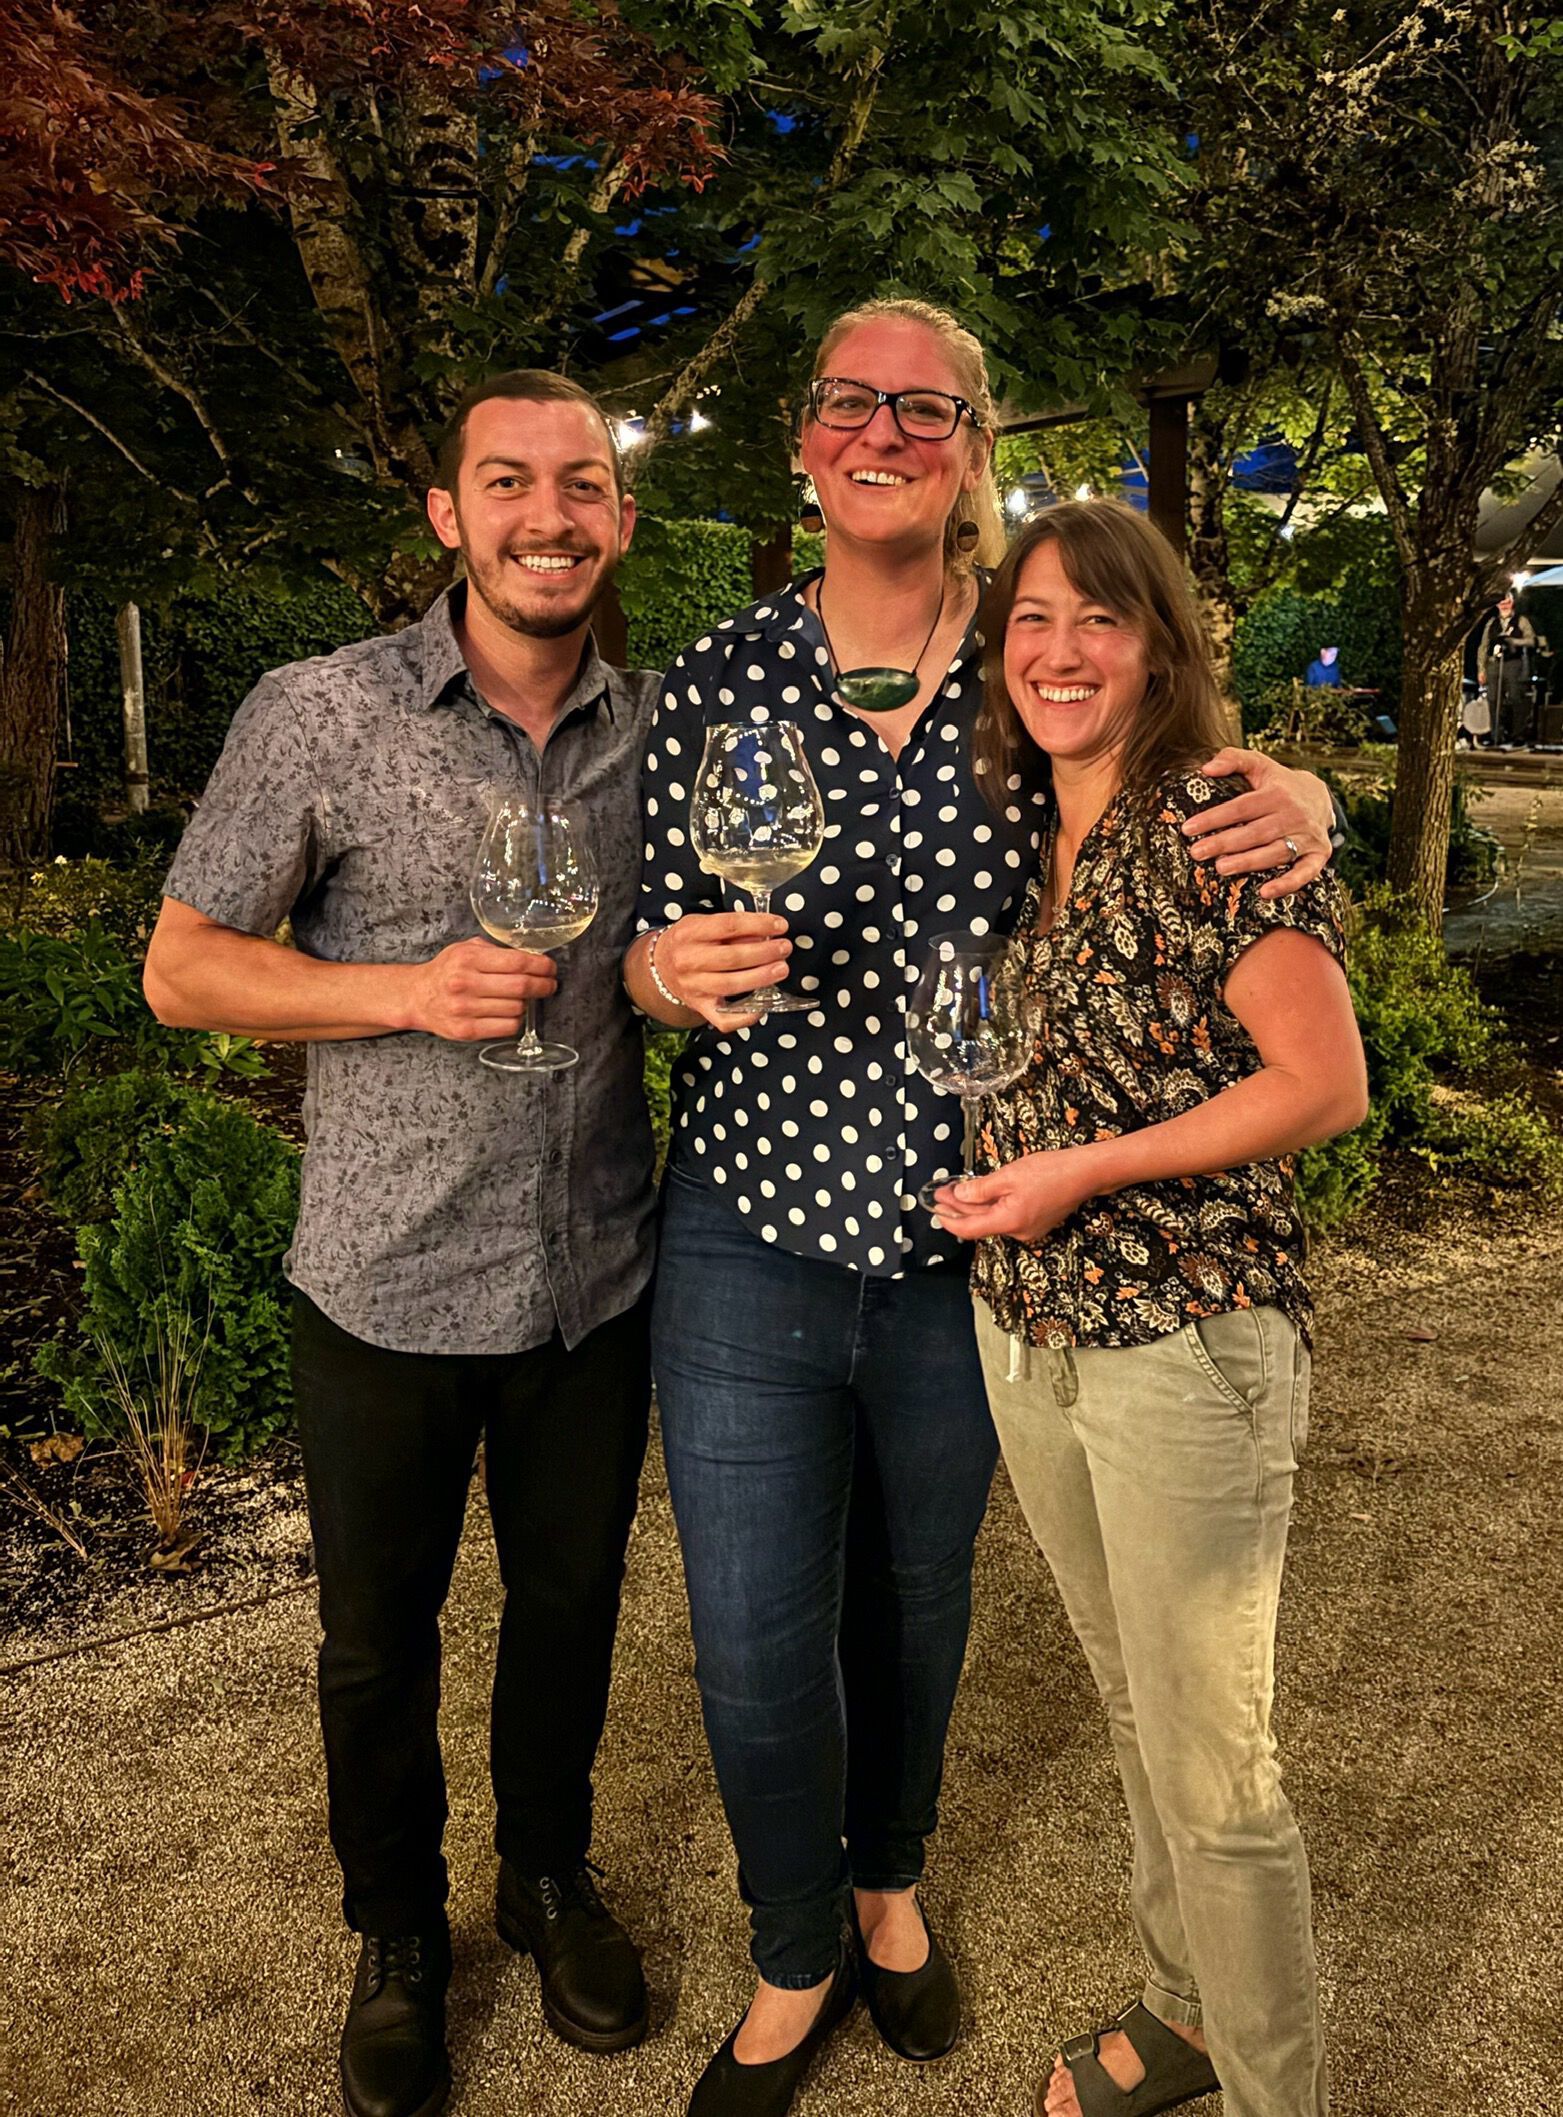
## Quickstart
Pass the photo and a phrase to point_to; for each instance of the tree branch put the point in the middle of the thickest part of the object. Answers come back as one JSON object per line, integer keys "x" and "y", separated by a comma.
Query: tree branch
{"x": 694, "y": 372}
{"x": 716, "y": 347}
{"x": 333, "y": 264}
{"x": 609, "y": 183}
{"x": 1548, "y": 515}
{"x": 163, "y": 373}
{"x": 507, "y": 211}
{"x": 92, "y": 419}
{"x": 1397, "y": 504}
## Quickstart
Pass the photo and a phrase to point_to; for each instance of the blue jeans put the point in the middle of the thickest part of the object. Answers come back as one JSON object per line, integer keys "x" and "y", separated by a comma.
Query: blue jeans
{"x": 829, "y": 1452}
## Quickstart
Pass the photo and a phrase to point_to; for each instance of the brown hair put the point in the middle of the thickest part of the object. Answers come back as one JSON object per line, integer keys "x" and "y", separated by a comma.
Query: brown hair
{"x": 525, "y": 386}
{"x": 965, "y": 355}
{"x": 1114, "y": 557}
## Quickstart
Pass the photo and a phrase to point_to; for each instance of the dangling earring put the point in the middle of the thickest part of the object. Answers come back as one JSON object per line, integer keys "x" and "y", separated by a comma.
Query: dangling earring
{"x": 967, "y": 537}
{"x": 811, "y": 516}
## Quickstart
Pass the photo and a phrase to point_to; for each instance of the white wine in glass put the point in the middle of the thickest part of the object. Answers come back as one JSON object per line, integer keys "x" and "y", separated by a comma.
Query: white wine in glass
{"x": 534, "y": 887}
{"x": 971, "y": 1028}
{"x": 756, "y": 820}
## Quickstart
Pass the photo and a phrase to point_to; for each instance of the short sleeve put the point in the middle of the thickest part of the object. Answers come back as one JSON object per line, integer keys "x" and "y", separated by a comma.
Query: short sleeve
{"x": 672, "y": 880}
{"x": 1229, "y": 908}
{"x": 253, "y": 847}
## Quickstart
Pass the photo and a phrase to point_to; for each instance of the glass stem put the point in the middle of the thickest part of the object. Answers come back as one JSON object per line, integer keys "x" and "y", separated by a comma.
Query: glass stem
{"x": 762, "y": 897}
{"x": 531, "y": 1041}
{"x": 969, "y": 1142}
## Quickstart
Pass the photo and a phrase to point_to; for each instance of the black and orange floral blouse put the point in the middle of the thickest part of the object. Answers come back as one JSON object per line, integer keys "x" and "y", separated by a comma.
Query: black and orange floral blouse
{"x": 1134, "y": 1031}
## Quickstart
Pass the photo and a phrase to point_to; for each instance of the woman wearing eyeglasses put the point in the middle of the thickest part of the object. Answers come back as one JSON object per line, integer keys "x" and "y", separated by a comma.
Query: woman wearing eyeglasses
{"x": 828, "y": 1444}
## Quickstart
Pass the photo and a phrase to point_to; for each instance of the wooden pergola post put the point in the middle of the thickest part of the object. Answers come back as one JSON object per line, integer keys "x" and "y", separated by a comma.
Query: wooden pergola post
{"x": 1167, "y": 472}
{"x": 1167, "y": 398}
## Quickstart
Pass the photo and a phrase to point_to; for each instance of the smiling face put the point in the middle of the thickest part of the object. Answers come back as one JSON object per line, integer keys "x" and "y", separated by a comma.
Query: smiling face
{"x": 536, "y": 512}
{"x": 875, "y": 486}
{"x": 1076, "y": 671}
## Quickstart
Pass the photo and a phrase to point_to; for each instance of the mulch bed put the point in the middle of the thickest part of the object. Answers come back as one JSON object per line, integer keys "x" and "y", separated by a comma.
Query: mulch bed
{"x": 253, "y": 1532}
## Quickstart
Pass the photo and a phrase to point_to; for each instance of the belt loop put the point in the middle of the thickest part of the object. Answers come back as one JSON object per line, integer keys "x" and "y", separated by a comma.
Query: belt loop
{"x": 1019, "y": 1360}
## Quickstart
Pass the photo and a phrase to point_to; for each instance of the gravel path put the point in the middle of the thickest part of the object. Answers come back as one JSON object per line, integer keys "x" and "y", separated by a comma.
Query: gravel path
{"x": 166, "y": 1894}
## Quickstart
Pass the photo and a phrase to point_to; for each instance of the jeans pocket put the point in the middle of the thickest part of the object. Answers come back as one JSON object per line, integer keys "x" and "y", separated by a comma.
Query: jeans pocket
{"x": 1302, "y": 1376}
{"x": 1230, "y": 1351}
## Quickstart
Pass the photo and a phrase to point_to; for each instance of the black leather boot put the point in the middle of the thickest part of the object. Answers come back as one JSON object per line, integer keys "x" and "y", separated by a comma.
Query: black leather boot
{"x": 394, "y": 2062}
{"x": 594, "y": 1995}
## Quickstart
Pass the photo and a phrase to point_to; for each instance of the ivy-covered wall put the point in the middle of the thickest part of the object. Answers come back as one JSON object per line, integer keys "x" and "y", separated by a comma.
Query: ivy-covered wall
{"x": 204, "y": 650}
{"x": 677, "y": 580}
{"x": 200, "y": 654}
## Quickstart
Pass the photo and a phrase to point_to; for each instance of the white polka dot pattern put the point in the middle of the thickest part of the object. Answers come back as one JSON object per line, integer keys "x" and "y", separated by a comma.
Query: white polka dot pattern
{"x": 843, "y": 1190}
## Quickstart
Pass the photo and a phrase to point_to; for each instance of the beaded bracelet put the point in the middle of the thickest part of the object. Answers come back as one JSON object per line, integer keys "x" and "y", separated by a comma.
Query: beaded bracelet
{"x": 657, "y": 978}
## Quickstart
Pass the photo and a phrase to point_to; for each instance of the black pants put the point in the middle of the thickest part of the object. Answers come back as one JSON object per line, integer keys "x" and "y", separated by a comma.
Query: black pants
{"x": 389, "y": 1440}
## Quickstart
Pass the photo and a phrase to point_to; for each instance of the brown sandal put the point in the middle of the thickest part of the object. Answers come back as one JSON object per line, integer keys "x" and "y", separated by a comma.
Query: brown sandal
{"x": 1174, "y": 2071}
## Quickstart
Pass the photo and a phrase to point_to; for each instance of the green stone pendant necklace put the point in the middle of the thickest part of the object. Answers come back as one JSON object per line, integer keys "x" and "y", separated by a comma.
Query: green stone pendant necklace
{"x": 872, "y": 690}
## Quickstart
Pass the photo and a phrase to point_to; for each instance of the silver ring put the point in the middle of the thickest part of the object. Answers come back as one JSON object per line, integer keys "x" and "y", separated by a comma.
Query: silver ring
{"x": 1291, "y": 846}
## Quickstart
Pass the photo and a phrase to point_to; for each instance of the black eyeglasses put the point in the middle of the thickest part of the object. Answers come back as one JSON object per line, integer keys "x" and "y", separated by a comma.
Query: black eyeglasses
{"x": 922, "y": 415}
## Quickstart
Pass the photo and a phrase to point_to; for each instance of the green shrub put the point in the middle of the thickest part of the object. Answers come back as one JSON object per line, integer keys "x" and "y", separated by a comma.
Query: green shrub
{"x": 79, "y": 830}
{"x": 662, "y": 1049}
{"x": 1423, "y": 1024}
{"x": 202, "y": 652}
{"x": 678, "y": 579}
{"x": 1508, "y": 1141}
{"x": 61, "y": 897}
{"x": 87, "y": 1140}
{"x": 1280, "y": 635}
{"x": 1475, "y": 855}
{"x": 69, "y": 999}
{"x": 200, "y": 1225}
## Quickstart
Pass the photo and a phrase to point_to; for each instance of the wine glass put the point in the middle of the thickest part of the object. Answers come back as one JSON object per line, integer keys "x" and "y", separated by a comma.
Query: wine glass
{"x": 971, "y": 1027}
{"x": 534, "y": 887}
{"x": 756, "y": 818}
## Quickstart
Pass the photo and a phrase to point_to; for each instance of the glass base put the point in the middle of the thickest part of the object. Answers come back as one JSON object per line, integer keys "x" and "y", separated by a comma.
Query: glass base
{"x": 528, "y": 1058}
{"x": 771, "y": 999}
{"x": 928, "y": 1196}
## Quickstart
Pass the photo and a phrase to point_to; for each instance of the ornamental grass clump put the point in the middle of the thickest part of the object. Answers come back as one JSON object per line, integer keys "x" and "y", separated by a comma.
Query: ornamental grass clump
{"x": 154, "y": 1411}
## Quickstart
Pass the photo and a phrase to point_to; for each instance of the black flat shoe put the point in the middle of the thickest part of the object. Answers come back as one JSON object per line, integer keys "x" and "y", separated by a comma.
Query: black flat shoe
{"x": 593, "y": 1991}
{"x": 728, "y": 2088}
{"x": 917, "y": 2012}
{"x": 393, "y": 2041}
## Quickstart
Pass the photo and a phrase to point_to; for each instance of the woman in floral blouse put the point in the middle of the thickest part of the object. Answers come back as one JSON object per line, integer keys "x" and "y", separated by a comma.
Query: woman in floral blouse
{"x": 1142, "y": 1312}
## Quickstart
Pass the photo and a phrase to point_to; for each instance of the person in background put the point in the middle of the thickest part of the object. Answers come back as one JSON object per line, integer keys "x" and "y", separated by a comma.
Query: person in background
{"x": 828, "y": 1441}
{"x": 1143, "y": 1313}
{"x": 1324, "y": 669}
{"x": 1505, "y": 657}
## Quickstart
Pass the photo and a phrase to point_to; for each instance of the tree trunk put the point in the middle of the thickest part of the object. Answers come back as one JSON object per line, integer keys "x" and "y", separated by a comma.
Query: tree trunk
{"x": 1424, "y": 772}
{"x": 32, "y": 678}
{"x": 133, "y": 696}
{"x": 1209, "y": 559}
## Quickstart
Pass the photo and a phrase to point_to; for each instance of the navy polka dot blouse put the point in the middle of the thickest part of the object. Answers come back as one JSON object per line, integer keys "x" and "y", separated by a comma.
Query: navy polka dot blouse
{"x": 817, "y": 1128}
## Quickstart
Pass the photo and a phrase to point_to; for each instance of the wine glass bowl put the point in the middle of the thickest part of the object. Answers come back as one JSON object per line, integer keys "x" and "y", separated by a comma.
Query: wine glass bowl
{"x": 756, "y": 819}
{"x": 534, "y": 886}
{"x": 971, "y": 1028}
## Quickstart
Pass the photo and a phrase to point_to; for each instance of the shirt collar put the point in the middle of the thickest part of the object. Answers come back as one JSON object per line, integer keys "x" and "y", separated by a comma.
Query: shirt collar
{"x": 442, "y": 667}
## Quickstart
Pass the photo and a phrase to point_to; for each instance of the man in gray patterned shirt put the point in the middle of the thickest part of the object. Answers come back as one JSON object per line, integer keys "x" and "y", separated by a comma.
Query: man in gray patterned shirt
{"x": 473, "y": 1246}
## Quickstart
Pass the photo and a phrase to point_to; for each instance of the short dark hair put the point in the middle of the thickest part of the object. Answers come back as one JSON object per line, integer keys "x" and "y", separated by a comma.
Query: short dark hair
{"x": 525, "y": 386}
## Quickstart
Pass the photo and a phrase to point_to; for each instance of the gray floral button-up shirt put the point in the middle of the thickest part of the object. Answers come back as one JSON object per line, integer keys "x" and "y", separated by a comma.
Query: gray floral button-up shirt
{"x": 446, "y": 1207}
